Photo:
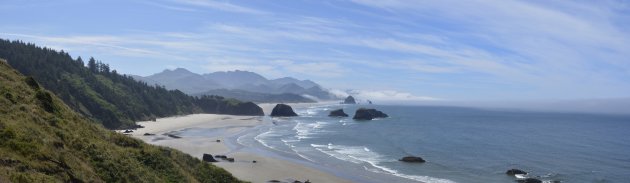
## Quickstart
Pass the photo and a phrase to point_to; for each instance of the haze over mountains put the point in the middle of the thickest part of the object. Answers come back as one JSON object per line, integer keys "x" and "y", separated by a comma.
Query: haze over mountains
{"x": 242, "y": 85}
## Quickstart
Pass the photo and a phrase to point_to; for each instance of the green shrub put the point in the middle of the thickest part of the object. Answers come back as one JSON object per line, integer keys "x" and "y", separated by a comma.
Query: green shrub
{"x": 30, "y": 81}
{"x": 124, "y": 141}
{"x": 46, "y": 101}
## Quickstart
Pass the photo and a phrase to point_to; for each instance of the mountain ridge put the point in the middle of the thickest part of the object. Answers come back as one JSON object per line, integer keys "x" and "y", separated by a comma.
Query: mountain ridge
{"x": 243, "y": 83}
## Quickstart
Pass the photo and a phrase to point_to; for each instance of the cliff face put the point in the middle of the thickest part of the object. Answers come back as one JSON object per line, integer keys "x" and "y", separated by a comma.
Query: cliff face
{"x": 44, "y": 140}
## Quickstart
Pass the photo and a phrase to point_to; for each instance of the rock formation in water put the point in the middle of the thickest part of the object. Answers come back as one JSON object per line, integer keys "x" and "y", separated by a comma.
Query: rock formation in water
{"x": 515, "y": 171}
{"x": 412, "y": 159}
{"x": 368, "y": 114}
{"x": 282, "y": 110}
{"x": 349, "y": 100}
{"x": 338, "y": 113}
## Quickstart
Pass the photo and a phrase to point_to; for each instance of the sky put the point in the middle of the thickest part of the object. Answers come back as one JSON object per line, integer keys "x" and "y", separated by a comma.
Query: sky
{"x": 408, "y": 50}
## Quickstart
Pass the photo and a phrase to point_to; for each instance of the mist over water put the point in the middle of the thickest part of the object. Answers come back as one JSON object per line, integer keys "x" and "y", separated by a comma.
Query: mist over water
{"x": 459, "y": 144}
{"x": 593, "y": 106}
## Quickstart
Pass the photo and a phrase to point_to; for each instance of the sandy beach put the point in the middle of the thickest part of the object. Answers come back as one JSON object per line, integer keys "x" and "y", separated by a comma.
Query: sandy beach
{"x": 226, "y": 128}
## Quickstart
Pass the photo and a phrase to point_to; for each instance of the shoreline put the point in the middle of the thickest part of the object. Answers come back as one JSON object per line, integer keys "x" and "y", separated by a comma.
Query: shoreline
{"x": 228, "y": 129}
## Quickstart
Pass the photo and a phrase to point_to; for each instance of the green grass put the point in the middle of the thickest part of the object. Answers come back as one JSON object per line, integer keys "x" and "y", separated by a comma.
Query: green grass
{"x": 43, "y": 140}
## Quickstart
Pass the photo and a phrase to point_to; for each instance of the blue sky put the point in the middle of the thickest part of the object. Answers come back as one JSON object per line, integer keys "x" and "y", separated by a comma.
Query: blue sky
{"x": 405, "y": 50}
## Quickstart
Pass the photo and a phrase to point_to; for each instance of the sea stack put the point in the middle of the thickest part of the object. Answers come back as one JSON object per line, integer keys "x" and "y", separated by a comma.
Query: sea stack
{"x": 368, "y": 114}
{"x": 282, "y": 110}
{"x": 349, "y": 100}
{"x": 338, "y": 113}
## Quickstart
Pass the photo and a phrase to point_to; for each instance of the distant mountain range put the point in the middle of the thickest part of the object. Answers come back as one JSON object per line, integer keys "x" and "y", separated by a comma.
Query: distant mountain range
{"x": 242, "y": 85}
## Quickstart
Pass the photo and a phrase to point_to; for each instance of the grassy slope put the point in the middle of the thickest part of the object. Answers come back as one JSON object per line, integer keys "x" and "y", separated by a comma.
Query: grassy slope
{"x": 43, "y": 140}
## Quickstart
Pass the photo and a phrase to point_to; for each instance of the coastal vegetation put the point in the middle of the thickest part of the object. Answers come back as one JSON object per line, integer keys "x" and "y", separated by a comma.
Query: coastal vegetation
{"x": 107, "y": 97}
{"x": 43, "y": 140}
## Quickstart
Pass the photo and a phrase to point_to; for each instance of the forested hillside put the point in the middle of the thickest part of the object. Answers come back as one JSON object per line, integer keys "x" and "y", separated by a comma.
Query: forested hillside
{"x": 99, "y": 92}
{"x": 258, "y": 97}
{"x": 43, "y": 140}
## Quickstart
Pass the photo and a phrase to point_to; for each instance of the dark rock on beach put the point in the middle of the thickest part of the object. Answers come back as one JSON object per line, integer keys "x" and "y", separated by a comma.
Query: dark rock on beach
{"x": 529, "y": 180}
{"x": 148, "y": 134}
{"x": 208, "y": 158}
{"x": 412, "y": 159}
{"x": 368, "y": 114}
{"x": 349, "y": 100}
{"x": 282, "y": 110}
{"x": 338, "y": 113}
{"x": 136, "y": 126}
{"x": 221, "y": 156}
{"x": 515, "y": 171}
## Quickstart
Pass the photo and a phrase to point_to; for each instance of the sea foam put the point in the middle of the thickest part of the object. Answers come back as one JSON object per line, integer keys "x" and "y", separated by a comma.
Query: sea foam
{"x": 362, "y": 154}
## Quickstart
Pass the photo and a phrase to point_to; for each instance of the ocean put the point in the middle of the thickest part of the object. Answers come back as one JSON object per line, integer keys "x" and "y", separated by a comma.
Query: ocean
{"x": 459, "y": 144}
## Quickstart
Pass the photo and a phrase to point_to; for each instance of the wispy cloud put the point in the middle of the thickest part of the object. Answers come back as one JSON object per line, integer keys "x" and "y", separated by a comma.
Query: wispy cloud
{"x": 169, "y": 6}
{"x": 221, "y": 5}
{"x": 449, "y": 57}
{"x": 547, "y": 45}
{"x": 487, "y": 48}
{"x": 117, "y": 45}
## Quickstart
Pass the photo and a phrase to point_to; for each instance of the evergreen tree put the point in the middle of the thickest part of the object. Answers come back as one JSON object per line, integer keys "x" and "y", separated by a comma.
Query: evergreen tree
{"x": 114, "y": 100}
{"x": 92, "y": 65}
{"x": 80, "y": 61}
